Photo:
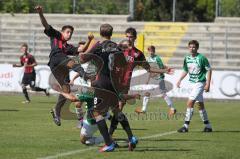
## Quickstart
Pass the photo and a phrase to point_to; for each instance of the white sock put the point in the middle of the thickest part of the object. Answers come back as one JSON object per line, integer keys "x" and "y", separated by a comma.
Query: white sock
{"x": 204, "y": 117}
{"x": 79, "y": 113}
{"x": 94, "y": 140}
{"x": 189, "y": 114}
{"x": 188, "y": 117}
{"x": 168, "y": 101}
{"x": 145, "y": 103}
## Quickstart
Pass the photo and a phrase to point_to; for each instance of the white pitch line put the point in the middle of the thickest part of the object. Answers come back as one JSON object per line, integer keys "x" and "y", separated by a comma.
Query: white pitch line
{"x": 92, "y": 148}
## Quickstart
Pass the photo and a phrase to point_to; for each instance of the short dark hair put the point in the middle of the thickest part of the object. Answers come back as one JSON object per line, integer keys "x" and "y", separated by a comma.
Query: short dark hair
{"x": 24, "y": 45}
{"x": 106, "y": 30}
{"x": 131, "y": 31}
{"x": 81, "y": 43}
{"x": 195, "y": 42}
{"x": 151, "y": 47}
{"x": 67, "y": 27}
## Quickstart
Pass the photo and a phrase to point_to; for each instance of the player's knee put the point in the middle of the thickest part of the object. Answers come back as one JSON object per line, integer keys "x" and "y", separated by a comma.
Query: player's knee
{"x": 24, "y": 87}
{"x": 83, "y": 139}
{"x": 147, "y": 94}
{"x": 66, "y": 88}
{"x": 200, "y": 105}
{"x": 98, "y": 117}
{"x": 78, "y": 104}
{"x": 70, "y": 63}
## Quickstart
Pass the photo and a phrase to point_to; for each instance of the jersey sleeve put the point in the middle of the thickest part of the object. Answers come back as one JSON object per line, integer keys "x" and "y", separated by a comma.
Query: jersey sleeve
{"x": 159, "y": 62}
{"x": 21, "y": 61}
{"x": 51, "y": 32}
{"x": 33, "y": 60}
{"x": 185, "y": 68}
{"x": 72, "y": 50}
{"x": 206, "y": 63}
{"x": 143, "y": 62}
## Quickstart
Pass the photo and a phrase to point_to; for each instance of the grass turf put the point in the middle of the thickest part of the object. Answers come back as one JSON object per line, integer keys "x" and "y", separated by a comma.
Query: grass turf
{"x": 27, "y": 131}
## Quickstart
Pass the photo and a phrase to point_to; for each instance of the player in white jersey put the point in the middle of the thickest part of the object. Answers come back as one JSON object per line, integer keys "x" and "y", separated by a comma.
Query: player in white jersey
{"x": 156, "y": 60}
{"x": 198, "y": 67}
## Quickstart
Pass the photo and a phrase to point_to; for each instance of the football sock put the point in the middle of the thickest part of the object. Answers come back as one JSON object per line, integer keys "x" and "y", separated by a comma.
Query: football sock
{"x": 26, "y": 94}
{"x": 79, "y": 113}
{"x": 168, "y": 101}
{"x": 113, "y": 125}
{"x": 60, "y": 103}
{"x": 145, "y": 103}
{"x": 125, "y": 124}
{"x": 102, "y": 126}
{"x": 188, "y": 116}
{"x": 204, "y": 117}
{"x": 38, "y": 89}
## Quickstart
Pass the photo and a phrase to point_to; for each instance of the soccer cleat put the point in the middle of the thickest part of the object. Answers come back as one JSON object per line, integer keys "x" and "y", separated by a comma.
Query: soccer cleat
{"x": 26, "y": 101}
{"x": 206, "y": 129}
{"x": 183, "y": 130}
{"x": 56, "y": 119}
{"x": 172, "y": 112}
{"x": 47, "y": 92}
{"x": 109, "y": 148}
{"x": 139, "y": 110}
{"x": 132, "y": 143}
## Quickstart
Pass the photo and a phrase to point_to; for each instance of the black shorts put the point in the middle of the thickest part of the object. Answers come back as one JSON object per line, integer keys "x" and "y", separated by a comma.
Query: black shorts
{"x": 105, "y": 95}
{"x": 58, "y": 59}
{"x": 29, "y": 79}
{"x": 58, "y": 65}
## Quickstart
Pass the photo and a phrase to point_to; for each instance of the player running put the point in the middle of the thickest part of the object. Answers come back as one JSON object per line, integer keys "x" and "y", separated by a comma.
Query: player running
{"x": 153, "y": 60}
{"x": 28, "y": 62}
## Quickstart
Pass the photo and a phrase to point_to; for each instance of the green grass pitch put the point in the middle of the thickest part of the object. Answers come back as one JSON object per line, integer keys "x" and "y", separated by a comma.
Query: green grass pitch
{"x": 27, "y": 131}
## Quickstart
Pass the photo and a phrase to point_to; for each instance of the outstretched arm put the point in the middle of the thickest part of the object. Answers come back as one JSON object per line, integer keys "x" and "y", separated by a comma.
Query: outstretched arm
{"x": 165, "y": 70}
{"x": 44, "y": 22}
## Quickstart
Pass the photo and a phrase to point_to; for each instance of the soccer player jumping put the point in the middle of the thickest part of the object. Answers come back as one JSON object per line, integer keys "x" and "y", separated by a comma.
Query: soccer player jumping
{"x": 59, "y": 62}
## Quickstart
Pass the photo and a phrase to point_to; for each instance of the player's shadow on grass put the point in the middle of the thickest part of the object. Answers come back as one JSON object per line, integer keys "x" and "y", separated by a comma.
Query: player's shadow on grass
{"x": 9, "y": 110}
{"x": 45, "y": 102}
{"x": 155, "y": 149}
{"x": 142, "y": 149}
{"x": 227, "y": 131}
{"x": 158, "y": 140}
{"x": 133, "y": 129}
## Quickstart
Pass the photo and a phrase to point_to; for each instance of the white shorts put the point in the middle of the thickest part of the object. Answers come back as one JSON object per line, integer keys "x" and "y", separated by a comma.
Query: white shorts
{"x": 87, "y": 129}
{"x": 197, "y": 91}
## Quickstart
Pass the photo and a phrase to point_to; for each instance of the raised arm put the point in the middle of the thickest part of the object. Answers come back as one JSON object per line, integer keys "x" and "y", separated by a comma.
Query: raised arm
{"x": 44, "y": 22}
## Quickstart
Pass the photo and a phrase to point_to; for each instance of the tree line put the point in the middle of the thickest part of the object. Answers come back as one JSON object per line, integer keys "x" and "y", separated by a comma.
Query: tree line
{"x": 145, "y": 10}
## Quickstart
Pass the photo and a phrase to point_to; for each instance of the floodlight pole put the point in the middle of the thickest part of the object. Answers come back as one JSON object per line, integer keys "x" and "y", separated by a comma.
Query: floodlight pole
{"x": 131, "y": 8}
{"x": 74, "y": 6}
{"x": 174, "y": 11}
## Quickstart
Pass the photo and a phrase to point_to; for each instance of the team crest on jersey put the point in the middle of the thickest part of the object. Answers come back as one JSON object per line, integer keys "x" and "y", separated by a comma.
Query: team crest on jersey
{"x": 135, "y": 54}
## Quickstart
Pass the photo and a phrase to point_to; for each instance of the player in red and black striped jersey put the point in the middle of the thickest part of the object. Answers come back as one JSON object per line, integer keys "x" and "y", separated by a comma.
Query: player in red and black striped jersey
{"x": 28, "y": 62}
{"x": 59, "y": 62}
{"x": 134, "y": 57}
